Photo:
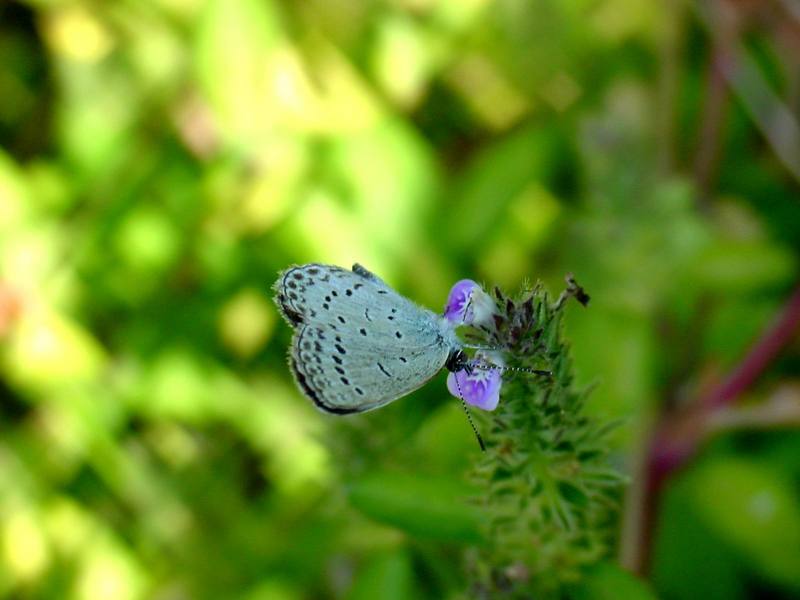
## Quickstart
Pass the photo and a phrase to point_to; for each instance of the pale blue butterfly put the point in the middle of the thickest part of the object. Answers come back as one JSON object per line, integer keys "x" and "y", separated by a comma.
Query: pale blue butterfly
{"x": 358, "y": 344}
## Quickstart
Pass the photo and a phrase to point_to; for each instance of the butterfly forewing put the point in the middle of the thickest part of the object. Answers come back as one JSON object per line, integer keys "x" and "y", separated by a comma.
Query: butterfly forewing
{"x": 358, "y": 344}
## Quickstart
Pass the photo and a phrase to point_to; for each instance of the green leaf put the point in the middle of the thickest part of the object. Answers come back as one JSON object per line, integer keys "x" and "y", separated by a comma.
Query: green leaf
{"x": 422, "y": 506}
{"x": 736, "y": 267}
{"x": 499, "y": 175}
{"x": 688, "y": 560}
{"x": 388, "y": 577}
{"x": 753, "y": 507}
{"x": 572, "y": 493}
{"x": 607, "y": 581}
{"x": 236, "y": 63}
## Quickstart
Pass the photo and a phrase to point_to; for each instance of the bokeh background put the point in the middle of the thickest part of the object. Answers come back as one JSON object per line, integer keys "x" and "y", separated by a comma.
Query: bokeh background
{"x": 161, "y": 160}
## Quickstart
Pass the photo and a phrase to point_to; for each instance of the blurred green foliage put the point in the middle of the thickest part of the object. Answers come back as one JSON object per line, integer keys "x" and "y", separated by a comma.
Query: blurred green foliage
{"x": 161, "y": 160}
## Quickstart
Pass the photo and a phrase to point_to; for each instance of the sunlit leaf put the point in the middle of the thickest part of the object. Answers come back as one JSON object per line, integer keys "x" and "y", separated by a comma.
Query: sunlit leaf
{"x": 246, "y": 322}
{"x": 50, "y": 349}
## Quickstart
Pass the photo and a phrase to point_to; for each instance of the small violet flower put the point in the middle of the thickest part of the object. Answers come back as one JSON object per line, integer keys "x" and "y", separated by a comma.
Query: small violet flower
{"x": 468, "y": 304}
{"x": 479, "y": 386}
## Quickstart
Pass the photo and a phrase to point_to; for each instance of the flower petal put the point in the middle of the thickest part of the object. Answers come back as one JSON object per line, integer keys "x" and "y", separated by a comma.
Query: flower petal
{"x": 479, "y": 388}
{"x": 452, "y": 387}
{"x": 458, "y": 309}
{"x": 482, "y": 308}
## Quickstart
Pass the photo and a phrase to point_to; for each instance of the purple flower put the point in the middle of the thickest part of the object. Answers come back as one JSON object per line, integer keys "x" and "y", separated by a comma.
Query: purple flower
{"x": 458, "y": 309}
{"x": 480, "y": 388}
{"x": 468, "y": 304}
{"x": 480, "y": 385}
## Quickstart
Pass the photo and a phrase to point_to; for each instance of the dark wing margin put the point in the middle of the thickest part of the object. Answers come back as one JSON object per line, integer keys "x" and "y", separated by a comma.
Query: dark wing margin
{"x": 294, "y": 318}
{"x": 313, "y": 395}
{"x": 282, "y": 299}
{"x": 306, "y": 382}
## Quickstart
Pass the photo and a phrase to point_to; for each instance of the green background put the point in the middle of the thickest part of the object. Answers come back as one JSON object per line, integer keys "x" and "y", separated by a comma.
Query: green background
{"x": 161, "y": 160}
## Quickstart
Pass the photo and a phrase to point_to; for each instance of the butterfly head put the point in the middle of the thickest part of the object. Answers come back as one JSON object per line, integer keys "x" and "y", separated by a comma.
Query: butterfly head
{"x": 457, "y": 361}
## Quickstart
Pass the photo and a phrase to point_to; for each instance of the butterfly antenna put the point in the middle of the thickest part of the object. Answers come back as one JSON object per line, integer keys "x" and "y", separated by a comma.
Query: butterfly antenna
{"x": 478, "y": 347}
{"x": 489, "y": 366}
{"x": 469, "y": 416}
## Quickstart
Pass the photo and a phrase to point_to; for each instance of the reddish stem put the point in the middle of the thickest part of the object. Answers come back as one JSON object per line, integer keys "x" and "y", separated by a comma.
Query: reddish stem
{"x": 779, "y": 334}
{"x": 676, "y": 440}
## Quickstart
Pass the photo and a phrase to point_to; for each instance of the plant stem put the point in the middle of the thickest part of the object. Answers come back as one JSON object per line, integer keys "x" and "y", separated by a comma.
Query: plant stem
{"x": 678, "y": 434}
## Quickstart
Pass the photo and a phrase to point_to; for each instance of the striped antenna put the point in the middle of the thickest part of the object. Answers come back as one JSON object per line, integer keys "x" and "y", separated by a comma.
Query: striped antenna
{"x": 489, "y": 367}
{"x": 469, "y": 416}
